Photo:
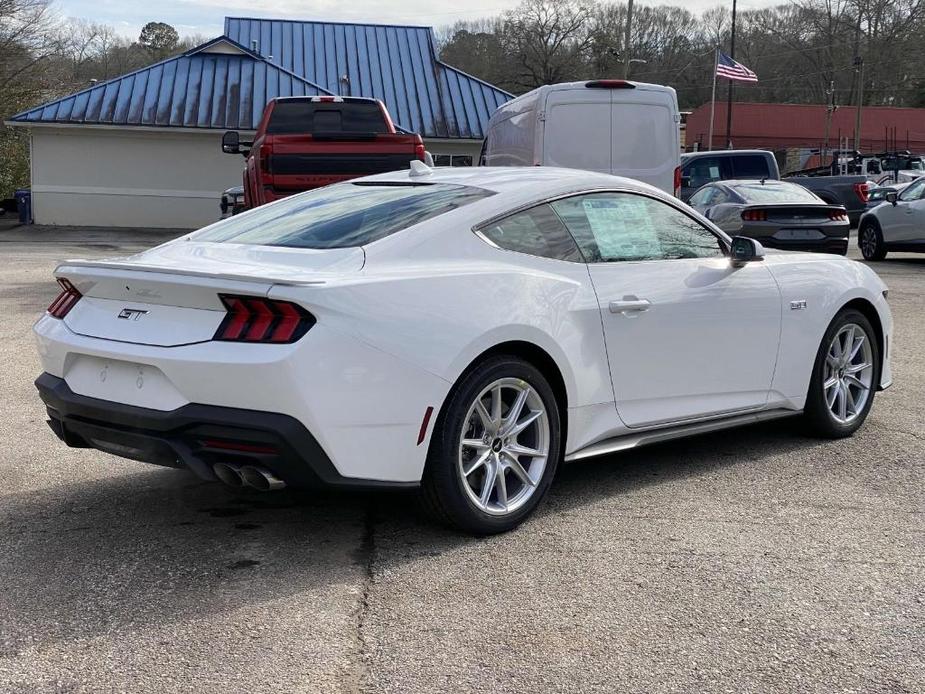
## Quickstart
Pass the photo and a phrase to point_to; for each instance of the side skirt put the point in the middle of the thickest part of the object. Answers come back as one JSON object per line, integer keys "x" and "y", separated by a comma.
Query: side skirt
{"x": 627, "y": 441}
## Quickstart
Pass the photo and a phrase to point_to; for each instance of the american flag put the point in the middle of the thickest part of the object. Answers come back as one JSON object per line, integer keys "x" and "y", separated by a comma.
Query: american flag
{"x": 730, "y": 69}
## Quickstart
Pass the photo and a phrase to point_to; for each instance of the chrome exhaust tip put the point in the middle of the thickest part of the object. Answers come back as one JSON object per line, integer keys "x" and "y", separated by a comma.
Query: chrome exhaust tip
{"x": 229, "y": 474}
{"x": 260, "y": 479}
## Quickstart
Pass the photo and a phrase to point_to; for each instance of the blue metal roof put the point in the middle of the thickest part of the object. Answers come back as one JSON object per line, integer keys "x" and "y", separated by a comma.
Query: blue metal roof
{"x": 397, "y": 64}
{"x": 259, "y": 59}
{"x": 199, "y": 89}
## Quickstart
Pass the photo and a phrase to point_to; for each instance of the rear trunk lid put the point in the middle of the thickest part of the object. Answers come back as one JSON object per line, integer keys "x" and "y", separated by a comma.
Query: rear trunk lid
{"x": 169, "y": 296}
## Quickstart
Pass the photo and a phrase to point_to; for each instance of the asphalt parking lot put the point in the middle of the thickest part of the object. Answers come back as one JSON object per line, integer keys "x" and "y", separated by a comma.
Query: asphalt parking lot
{"x": 748, "y": 561}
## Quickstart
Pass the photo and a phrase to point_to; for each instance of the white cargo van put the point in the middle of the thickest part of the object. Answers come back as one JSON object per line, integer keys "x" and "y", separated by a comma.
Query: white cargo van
{"x": 625, "y": 128}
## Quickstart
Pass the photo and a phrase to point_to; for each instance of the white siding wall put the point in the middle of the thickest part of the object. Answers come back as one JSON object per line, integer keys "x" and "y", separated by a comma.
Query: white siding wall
{"x": 123, "y": 177}
{"x": 89, "y": 176}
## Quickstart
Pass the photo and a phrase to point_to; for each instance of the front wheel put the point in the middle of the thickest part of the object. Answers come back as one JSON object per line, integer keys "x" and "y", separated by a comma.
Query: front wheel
{"x": 845, "y": 377}
{"x": 870, "y": 239}
{"x": 494, "y": 449}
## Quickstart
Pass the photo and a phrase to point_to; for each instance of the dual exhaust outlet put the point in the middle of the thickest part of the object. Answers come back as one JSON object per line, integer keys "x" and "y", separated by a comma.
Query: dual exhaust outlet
{"x": 239, "y": 476}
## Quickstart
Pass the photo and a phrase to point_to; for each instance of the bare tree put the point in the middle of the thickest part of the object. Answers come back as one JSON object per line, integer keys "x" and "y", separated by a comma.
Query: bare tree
{"x": 549, "y": 39}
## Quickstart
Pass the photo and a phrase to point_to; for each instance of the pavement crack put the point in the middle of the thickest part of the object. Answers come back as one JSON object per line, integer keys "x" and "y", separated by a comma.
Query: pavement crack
{"x": 914, "y": 435}
{"x": 365, "y": 558}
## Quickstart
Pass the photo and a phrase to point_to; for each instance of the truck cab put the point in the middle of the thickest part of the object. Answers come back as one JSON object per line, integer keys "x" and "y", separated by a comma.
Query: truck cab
{"x": 307, "y": 142}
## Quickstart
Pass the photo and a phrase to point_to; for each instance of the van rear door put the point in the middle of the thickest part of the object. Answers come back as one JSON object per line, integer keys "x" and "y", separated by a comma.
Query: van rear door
{"x": 646, "y": 141}
{"x": 577, "y": 129}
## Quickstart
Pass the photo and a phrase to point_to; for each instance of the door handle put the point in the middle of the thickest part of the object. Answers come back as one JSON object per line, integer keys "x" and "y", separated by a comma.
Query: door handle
{"x": 629, "y": 305}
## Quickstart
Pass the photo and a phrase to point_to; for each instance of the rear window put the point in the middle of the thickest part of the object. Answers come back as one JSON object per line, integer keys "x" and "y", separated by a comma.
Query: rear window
{"x": 293, "y": 117}
{"x": 750, "y": 166}
{"x": 343, "y": 215}
{"x": 777, "y": 192}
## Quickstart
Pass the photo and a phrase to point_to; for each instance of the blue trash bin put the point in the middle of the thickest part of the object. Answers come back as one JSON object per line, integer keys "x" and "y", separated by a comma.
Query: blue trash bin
{"x": 24, "y": 205}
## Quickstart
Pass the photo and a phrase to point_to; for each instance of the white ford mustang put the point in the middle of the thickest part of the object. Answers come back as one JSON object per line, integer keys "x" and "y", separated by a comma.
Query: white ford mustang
{"x": 459, "y": 330}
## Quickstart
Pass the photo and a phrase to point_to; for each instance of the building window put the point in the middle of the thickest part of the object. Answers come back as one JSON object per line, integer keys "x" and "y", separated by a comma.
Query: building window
{"x": 452, "y": 160}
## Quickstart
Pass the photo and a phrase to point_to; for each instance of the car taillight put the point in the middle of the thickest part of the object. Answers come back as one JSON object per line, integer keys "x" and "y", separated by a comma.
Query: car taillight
{"x": 264, "y": 158}
{"x": 419, "y": 151}
{"x": 66, "y": 300}
{"x": 838, "y": 216}
{"x": 862, "y": 190}
{"x": 677, "y": 181}
{"x": 256, "y": 319}
{"x": 755, "y": 215}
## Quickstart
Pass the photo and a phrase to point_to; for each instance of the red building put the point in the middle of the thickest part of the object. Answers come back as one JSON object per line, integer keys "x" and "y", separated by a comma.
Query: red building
{"x": 785, "y": 126}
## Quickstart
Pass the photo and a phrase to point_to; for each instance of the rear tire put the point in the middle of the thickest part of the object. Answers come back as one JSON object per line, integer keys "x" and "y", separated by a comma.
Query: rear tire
{"x": 870, "y": 240}
{"x": 845, "y": 377}
{"x": 495, "y": 448}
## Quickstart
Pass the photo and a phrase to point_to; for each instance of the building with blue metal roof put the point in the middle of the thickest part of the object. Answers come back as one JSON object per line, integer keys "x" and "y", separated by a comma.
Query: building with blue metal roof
{"x": 143, "y": 149}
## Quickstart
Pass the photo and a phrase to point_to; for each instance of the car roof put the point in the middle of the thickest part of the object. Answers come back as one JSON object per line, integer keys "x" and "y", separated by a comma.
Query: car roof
{"x": 733, "y": 182}
{"x": 687, "y": 156}
{"x": 518, "y": 179}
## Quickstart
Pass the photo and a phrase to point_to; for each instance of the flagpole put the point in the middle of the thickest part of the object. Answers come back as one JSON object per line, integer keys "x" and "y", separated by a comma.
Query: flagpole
{"x": 732, "y": 54}
{"x": 713, "y": 98}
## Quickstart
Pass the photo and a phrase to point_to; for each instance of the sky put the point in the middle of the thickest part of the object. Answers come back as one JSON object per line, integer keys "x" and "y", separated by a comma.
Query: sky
{"x": 205, "y": 17}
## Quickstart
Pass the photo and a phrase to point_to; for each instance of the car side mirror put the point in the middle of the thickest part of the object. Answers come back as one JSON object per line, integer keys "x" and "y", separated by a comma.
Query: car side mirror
{"x": 745, "y": 250}
{"x": 891, "y": 197}
{"x": 231, "y": 142}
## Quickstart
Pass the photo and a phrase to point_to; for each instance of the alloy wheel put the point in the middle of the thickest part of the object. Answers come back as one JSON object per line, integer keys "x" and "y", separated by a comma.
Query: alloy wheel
{"x": 504, "y": 447}
{"x": 848, "y": 373}
{"x": 869, "y": 241}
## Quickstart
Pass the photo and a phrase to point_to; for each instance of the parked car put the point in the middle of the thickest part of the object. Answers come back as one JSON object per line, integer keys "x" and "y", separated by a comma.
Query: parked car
{"x": 610, "y": 126}
{"x": 306, "y": 142}
{"x": 458, "y": 331}
{"x": 877, "y": 194}
{"x": 777, "y": 213}
{"x": 232, "y": 201}
{"x": 701, "y": 168}
{"x": 896, "y": 225}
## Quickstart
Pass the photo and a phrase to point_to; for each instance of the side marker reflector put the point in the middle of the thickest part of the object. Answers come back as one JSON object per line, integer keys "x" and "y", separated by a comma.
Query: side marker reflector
{"x": 423, "y": 432}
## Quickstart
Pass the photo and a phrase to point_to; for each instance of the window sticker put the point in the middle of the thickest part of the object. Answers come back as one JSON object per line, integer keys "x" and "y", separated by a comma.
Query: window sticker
{"x": 622, "y": 228}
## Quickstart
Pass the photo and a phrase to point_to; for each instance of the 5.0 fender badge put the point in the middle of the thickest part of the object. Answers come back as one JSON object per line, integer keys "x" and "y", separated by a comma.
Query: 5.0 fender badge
{"x": 798, "y": 305}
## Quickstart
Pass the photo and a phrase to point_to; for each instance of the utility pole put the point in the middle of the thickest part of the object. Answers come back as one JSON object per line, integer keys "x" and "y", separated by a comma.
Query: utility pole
{"x": 627, "y": 53}
{"x": 829, "y": 111}
{"x": 732, "y": 54}
{"x": 859, "y": 68}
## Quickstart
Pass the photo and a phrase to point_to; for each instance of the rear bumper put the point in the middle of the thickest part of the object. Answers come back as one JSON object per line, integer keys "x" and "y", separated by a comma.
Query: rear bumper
{"x": 196, "y": 437}
{"x": 830, "y": 244}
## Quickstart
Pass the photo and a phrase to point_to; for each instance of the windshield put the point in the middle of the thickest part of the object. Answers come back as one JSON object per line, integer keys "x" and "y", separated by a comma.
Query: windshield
{"x": 776, "y": 192}
{"x": 342, "y": 216}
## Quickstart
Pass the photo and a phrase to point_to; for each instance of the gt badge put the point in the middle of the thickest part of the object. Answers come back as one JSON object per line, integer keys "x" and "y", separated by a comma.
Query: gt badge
{"x": 131, "y": 313}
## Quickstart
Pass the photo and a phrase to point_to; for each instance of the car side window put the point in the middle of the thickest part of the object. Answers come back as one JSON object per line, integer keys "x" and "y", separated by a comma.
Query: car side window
{"x": 615, "y": 227}
{"x": 537, "y": 231}
{"x": 704, "y": 170}
{"x": 720, "y": 197}
{"x": 702, "y": 197}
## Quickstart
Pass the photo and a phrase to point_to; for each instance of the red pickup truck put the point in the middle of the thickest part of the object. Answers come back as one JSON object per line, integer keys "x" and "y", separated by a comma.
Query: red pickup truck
{"x": 306, "y": 142}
